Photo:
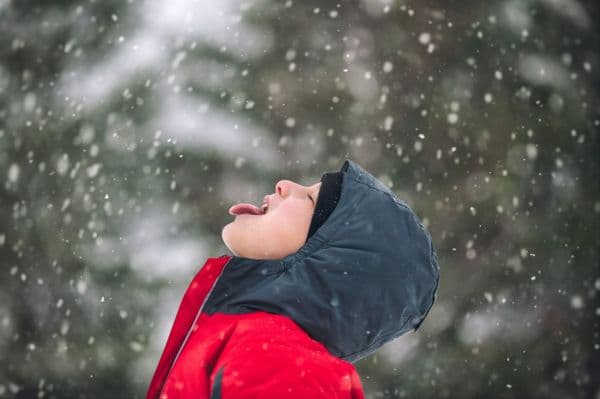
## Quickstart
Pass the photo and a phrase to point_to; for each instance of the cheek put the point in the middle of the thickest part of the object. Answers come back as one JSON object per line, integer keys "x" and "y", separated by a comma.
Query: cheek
{"x": 290, "y": 222}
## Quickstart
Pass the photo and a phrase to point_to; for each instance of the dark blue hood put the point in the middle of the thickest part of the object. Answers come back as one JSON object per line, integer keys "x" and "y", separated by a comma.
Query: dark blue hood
{"x": 368, "y": 275}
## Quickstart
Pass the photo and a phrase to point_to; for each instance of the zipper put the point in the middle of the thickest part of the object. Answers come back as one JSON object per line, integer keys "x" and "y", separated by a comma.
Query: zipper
{"x": 189, "y": 332}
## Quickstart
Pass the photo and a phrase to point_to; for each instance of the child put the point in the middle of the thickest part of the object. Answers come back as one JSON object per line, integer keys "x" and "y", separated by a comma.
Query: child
{"x": 311, "y": 288}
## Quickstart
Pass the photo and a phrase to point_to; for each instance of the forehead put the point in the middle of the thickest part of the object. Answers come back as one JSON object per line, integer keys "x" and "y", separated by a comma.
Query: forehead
{"x": 312, "y": 186}
{"x": 316, "y": 190}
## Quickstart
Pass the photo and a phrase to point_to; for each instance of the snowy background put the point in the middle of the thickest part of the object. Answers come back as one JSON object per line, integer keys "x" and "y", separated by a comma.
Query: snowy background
{"x": 127, "y": 129}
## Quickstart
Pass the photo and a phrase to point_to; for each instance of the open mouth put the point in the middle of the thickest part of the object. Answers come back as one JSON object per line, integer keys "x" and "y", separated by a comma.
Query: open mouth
{"x": 248, "y": 209}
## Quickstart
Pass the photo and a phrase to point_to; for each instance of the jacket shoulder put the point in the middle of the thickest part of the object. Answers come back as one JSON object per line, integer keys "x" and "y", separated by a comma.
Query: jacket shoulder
{"x": 271, "y": 356}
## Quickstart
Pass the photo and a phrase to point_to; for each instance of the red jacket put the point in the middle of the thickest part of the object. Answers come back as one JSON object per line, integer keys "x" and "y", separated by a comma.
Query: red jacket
{"x": 289, "y": 328}
{"x": 252, "y": 355}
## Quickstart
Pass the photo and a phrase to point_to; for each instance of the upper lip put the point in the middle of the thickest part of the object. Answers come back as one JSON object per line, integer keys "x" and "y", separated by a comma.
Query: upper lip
{"x": 265, "y": 202}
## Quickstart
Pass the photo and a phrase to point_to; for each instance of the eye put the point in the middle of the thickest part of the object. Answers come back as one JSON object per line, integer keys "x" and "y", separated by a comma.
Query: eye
{"x": 311, "y": 198}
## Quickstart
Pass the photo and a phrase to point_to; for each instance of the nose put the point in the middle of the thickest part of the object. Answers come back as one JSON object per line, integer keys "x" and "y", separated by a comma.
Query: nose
{"x": 284, "y": 187}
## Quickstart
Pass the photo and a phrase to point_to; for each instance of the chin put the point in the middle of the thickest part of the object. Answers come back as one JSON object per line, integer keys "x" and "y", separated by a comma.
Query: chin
{"x": 225, "y": 238}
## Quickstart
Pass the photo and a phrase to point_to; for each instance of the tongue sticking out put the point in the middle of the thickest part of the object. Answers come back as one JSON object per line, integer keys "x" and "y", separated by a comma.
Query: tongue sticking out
{"x": 243, "y": 209}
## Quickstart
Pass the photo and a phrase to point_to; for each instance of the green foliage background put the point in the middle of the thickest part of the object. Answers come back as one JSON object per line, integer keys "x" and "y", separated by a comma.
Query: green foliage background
{"x": 127, "y": 128}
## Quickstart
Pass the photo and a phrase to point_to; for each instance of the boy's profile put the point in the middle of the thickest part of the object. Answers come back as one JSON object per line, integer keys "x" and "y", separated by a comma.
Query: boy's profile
{"x": 321, "y": 276}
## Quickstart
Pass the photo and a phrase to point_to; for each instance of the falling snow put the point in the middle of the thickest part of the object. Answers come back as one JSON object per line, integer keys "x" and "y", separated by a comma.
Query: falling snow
{"x": 124, "y": 144}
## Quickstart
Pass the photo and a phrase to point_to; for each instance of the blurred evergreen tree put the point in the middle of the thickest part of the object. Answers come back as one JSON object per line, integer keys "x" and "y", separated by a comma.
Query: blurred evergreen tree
{"x": 70, "y": 327}
{"x": 483, "y": 116}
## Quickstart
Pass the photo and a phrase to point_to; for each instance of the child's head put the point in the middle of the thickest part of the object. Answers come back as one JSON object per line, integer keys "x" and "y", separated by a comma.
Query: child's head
{"x": 285, "y": 221}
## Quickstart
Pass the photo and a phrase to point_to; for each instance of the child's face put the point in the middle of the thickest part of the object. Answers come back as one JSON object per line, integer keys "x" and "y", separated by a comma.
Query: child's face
{"x": 281, "y": 231}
